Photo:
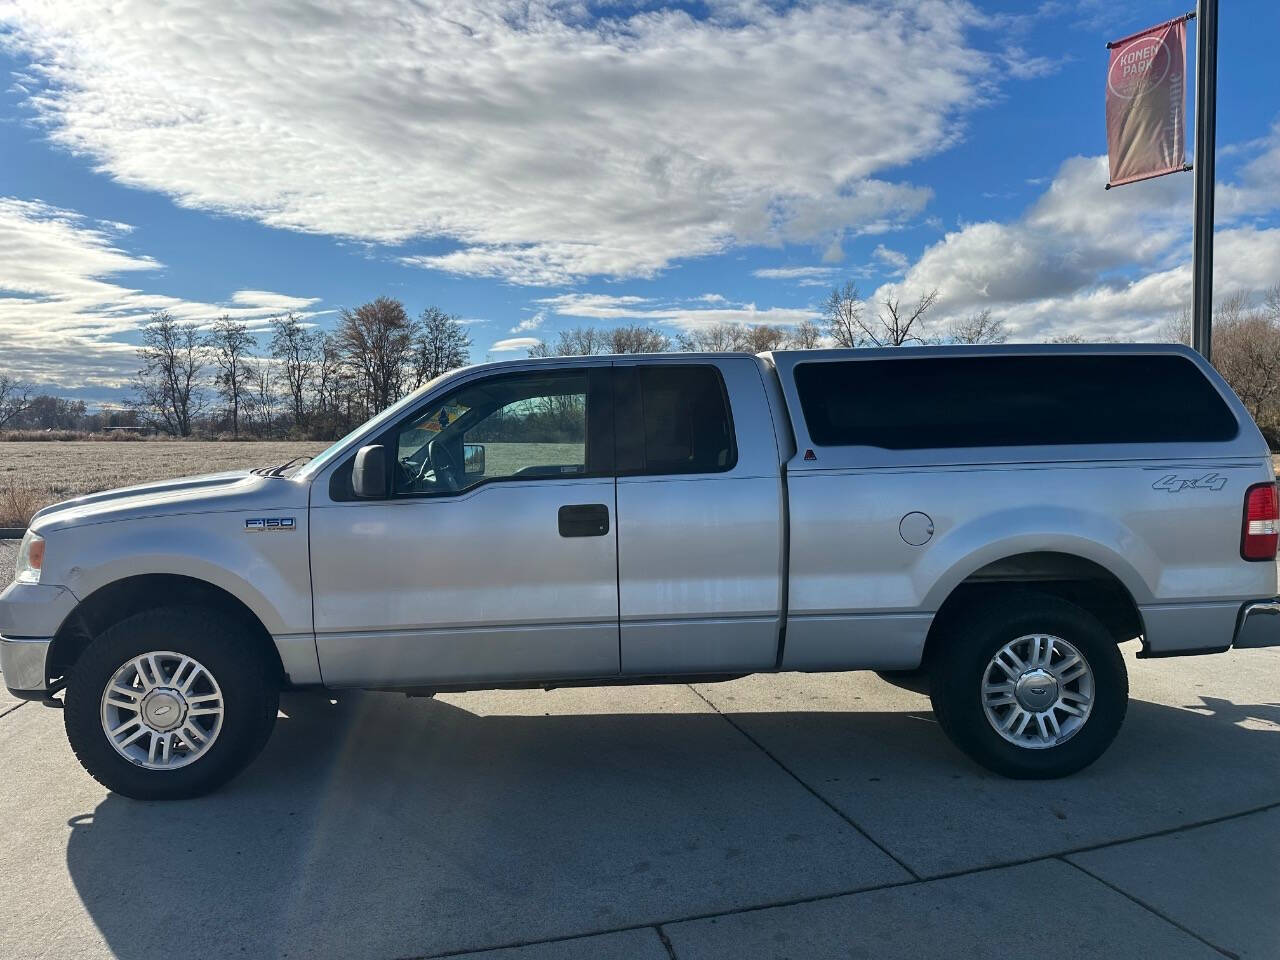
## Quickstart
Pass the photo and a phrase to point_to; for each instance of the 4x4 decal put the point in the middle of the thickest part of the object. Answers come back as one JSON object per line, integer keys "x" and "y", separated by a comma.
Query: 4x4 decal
{"x": 1176, "y": 484}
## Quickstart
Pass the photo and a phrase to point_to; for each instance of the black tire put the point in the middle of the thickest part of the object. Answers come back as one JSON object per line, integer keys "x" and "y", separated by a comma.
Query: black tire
{"x": 964, "y": 650}
{"x": 917, "y": 681}
{"x": 250, "y": 699}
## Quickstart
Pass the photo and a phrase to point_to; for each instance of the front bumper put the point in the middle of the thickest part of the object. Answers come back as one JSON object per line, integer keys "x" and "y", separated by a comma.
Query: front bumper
{"x": 23, "y": 663}
{"x": 1259, "y": 625}
{"x": 30, "y": 615}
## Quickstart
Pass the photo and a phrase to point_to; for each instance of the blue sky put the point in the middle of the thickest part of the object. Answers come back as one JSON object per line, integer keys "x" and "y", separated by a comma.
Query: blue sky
{"x": 532, "y": 167}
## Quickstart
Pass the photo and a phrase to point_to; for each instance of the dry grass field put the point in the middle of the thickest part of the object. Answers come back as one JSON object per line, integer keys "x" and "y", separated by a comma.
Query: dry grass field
{"x": 33, "y": 475}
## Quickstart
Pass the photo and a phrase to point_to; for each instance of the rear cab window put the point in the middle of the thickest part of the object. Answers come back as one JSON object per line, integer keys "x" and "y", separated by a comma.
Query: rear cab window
{"x": 930, "y": 403}
{"x": 673, "y": 419}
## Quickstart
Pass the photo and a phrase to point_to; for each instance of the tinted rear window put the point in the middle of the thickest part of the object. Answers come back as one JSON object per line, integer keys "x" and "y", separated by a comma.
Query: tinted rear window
{"x": 673, "y": 419}
{"x": 1009, "y": 401}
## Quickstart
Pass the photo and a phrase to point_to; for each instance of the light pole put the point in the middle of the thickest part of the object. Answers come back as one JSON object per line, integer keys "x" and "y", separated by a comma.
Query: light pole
{"x": 1206, "y": 136}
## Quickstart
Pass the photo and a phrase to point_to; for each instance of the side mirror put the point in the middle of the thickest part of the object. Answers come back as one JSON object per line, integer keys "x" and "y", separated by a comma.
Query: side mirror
{"x": 369, "y": 473}
{"x": 473, "y": 459}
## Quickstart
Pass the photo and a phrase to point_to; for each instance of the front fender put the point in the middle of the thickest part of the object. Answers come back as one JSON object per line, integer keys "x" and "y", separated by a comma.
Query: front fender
{"x": 268, "y": 572}
{"x": 968, "y": 547}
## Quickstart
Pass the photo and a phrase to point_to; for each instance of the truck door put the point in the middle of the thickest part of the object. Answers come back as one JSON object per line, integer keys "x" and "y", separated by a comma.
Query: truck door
{"x": 493, "y": 556}
{"x": 700, "y": 517}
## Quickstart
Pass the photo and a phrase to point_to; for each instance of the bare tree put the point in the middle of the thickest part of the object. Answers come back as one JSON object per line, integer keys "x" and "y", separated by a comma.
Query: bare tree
{"x": 334, "y": 388}
{"x": 898, "y": 325}
{"x": 638, "y": 339}
{"x": 1178, "y": 328}
{"x": 441, "y": 345}
{"x": 167, "y": 388}
{"x": 229, "y": 343}
{"x": 297, "y": 349}
{"x": 763, "y": 337}
{"x": 265, "y": 396}
{"x": 805, "y": 335}
{"x": 1081, "y": 338}
{"x": 578, "y": 342}
{"x": 729, "y": 337}
{"x": 377, "y": 337}
{"x": 47, "y": 412}
{"x": 1271, "y": 301}
{"x": 15, "y": 397}
{"x": 842, "y": 313}
{"x": 1246, "y": 351}
{"x": 720, "y": 337}
{"x": 978, "y": 327}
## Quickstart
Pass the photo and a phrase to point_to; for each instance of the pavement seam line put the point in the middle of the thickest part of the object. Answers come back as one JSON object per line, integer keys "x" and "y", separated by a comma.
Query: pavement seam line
{"x": 814, "y": 793}
{"x": 1149, "y": 908}
{"x": 1194, "y": 825}
{"x": 820, "y": 897}
{"x": 666, "y": 941}
{"x": 5, "y": 713}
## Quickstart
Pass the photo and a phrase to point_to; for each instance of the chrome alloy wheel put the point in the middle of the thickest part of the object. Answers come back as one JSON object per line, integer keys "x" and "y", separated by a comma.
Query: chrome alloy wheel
{"x": 162, "y": 710}
{"x": 1037, "y": 691}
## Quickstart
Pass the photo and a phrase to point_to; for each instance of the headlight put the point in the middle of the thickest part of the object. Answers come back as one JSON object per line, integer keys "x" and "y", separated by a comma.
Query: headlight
{"x": 30, "y": 558}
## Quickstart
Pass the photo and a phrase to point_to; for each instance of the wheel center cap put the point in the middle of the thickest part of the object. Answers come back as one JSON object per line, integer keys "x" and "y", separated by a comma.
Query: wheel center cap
{"x": 163, "y": 709}
{"x": 1036, "y": 690}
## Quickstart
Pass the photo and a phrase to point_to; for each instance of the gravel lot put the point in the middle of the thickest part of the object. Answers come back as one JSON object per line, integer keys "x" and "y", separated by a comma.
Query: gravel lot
{"x": 792, "y": 816}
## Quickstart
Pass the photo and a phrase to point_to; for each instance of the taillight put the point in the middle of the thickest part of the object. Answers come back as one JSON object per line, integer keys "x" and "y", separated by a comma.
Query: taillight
{"x": 1261, "y": 530}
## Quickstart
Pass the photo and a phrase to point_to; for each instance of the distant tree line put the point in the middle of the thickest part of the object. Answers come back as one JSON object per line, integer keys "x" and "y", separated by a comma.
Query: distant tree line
{"x": 21, "y": 408}
{"x": 301, "y": 382}
{"x": 724, "y": 336}
{"x": 293, "y": 380}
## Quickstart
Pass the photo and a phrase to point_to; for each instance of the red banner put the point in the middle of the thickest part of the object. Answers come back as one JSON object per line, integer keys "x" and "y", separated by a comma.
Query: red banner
{"x": 1146, "y": 103}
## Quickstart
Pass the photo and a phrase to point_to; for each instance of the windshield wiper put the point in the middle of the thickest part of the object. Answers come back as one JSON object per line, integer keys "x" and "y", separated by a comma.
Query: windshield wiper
{"x": 279, "y": 469}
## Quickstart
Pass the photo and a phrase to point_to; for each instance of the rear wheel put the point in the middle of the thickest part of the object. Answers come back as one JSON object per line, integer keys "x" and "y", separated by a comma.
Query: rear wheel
{"x": 170, "y": 703}
{"x": 1030, "y": 687}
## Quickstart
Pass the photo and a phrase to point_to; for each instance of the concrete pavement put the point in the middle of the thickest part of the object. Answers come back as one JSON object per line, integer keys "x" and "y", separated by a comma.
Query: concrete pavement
{"x": 788, "y": 816}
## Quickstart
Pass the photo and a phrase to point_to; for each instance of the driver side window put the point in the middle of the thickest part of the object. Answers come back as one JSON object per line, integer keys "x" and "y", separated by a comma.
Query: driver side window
{"x": 517, "y": 426}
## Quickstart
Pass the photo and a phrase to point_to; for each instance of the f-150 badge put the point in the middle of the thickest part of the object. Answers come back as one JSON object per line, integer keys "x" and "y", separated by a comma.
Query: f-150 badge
{"x": 270, "y": 525}
{"x": 1174, "y": 484}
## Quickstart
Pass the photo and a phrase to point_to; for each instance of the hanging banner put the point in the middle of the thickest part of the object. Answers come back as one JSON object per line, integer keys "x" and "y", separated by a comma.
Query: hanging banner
{"x": 1146, "y": 103}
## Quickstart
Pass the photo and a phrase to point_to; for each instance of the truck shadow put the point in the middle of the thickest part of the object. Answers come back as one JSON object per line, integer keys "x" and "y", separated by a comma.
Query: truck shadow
{"x": 385, "y": 827}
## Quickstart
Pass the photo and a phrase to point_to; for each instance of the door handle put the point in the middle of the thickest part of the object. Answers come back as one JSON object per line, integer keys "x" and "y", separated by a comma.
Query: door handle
{"x": 584, "y": 520}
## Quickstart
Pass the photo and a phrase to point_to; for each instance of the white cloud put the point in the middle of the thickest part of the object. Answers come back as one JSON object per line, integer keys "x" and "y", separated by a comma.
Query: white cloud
{"x": 62, "y": 318}
{"x": 530, "y": 323}
{"x": 1096, "y": 262}
{"x": 802, "y": 274}
{"x": 639, "y": 309}
{"x": 1023, "y": 66}
{"x": 514, "y": 343}
{"x": 1255, "y": 190}
{"x": 598, "y": 306}
{"x": 265, "y": 299}
{"x": 547, "y": 144}
{"x": 895, "y": 260}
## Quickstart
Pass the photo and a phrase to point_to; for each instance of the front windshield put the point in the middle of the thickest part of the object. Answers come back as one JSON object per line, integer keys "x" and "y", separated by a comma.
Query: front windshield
{"x": 319, "y": 462}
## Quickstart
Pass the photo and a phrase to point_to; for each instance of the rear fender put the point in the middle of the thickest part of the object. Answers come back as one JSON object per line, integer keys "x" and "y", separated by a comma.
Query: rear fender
{"x": 971, "y": 546}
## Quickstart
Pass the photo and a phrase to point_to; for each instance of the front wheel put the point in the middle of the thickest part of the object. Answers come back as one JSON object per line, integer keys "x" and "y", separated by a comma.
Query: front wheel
{"x": 1031, "y": 687}
{"x": 169, "y": 704}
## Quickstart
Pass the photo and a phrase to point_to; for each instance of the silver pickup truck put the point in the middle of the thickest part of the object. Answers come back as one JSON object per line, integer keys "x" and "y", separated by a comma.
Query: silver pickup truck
{"x": 986, "y": 522}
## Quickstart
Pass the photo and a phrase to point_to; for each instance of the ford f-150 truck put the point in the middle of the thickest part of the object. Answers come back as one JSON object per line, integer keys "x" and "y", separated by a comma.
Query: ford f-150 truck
{"x": 990, "y": 522}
